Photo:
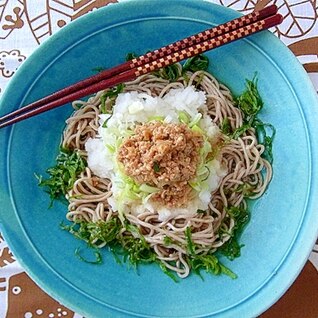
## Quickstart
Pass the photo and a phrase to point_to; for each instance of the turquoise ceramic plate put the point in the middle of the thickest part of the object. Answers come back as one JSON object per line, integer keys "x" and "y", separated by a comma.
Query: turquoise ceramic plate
{"x": 284, "y": 221}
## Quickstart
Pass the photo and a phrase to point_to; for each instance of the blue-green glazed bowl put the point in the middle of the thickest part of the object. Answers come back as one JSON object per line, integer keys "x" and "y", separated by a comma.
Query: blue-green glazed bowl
{"x": 284, "y": 222}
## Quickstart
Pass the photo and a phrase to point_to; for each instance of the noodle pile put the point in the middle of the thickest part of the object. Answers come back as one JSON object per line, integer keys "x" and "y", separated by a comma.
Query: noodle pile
{"x": 248, "y": 175}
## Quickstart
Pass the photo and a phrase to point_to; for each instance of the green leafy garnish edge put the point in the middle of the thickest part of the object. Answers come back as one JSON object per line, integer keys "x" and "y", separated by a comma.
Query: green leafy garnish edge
{"x": 69, "y": 164}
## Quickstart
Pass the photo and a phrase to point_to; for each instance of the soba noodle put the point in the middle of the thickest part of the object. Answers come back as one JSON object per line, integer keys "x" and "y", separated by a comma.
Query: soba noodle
{"x": 242, "y": 158}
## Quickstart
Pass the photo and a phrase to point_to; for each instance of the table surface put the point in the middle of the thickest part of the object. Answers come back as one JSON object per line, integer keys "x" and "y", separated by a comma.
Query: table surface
{"x": 24, "y": 25}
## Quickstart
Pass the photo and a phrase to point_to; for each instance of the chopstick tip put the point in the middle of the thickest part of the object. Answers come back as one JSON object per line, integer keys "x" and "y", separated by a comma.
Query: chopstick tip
{"x": 268, "y": 11}
{"x": 280, "y": 18}
{"x": 273, "y": 20}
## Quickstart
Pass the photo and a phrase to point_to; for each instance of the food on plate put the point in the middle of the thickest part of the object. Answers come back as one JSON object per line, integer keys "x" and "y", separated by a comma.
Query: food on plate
{"x": 160, "y": 169}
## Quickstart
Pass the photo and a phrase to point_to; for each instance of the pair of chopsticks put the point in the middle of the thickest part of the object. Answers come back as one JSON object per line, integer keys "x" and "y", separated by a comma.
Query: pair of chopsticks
{"x": 152, "y": 61}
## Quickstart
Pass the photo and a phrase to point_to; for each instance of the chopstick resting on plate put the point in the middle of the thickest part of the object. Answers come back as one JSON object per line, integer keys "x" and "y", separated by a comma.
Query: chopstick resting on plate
{"x": 191, "y": 46}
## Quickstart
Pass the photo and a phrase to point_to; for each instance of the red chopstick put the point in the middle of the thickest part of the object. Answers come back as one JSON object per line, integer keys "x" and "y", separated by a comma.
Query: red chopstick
{"x": 170, "y": 54}
{"x": 154, "y": 55}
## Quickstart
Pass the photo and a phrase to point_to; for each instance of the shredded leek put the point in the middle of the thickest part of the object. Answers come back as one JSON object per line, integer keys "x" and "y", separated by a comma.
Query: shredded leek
{"x": 148, "y": 189}
{"x": 195, "y": 121}
{"x": 183, "y": 117}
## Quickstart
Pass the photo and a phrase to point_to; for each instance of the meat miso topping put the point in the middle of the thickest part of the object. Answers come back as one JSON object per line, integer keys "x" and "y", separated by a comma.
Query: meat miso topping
{"x": 165, "y": 156}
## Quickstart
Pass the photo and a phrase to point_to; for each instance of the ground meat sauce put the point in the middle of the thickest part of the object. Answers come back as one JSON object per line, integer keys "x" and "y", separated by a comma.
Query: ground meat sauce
{"x": 165, "y": 156}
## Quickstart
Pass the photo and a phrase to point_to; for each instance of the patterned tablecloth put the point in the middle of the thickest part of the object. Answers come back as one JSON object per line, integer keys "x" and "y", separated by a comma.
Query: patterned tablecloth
{"x": 25, "y": 24}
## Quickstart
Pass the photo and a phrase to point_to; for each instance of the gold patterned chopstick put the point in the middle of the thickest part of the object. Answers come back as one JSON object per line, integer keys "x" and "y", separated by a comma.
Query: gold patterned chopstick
{"x": 152, "y": 61}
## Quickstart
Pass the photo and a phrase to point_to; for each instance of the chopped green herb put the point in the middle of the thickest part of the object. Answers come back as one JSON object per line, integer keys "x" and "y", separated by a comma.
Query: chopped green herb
{"x": 69, "y": 164}
{"x": 136, "y": 249}
{"x": 232, "y": 249}
{"x": 131, "y": 244}
{"x": 240, "y": 215}
{"x": 167, "y": 271}
{"x": 156, "y": 167}
{"x": 115, "y": 253}
{"x": 226, "y": 127}
{"x": 110, "y": 94}
{"x": 226, "y": 271}
{"x": 95, "y": 233}
{"x": 199, "y": 79}
{"x": 130, "y": 56}
{"x": 97, "y": 254}
{"x": 106, "y": 121}
{"x": 171, "y": 72}
{"x": 238, "y": 132}
{"x": 211, "y": 264}
{"x": 250, "y": 101}
{"x": 190, "y": 244}
{"x": 196, "y": 63}
{"x": 167, "y": 240}
{"x": 77, "y": 105}
{"x": 246, "y": 189}
{"x": 98, "y": 69}
{"x": 208, "y": 262}
{"x": 265, "y": 134}
{"x": 195, "y": 121}
{"x": 201, "y": 211}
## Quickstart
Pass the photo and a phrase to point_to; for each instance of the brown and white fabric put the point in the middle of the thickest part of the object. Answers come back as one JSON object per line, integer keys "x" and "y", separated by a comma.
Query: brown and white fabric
{"x": 25, "y": 24}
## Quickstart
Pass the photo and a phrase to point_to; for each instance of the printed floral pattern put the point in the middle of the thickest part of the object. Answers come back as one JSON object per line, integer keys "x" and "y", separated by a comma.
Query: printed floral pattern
{"x": 25, "y": 24}
{"x": 10, "y": 62}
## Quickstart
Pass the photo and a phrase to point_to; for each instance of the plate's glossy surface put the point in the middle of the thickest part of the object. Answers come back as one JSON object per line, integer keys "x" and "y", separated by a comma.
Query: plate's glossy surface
{"x": 284, "y": 224}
